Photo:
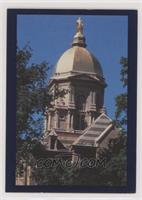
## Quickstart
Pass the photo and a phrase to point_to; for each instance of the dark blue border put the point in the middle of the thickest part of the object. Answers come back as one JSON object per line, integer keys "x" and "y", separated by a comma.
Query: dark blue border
{"x": 11, "y": 102}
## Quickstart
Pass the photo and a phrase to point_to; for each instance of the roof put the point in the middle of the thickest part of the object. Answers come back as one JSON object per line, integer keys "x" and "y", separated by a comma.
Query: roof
{"x": 78, "y": 59}
{"x": 53, "y": 133}
{"x": 93, "y": 134}
{"x": 67, "y": 139}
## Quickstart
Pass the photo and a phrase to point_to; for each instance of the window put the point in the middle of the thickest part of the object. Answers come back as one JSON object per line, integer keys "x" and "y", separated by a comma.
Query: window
{"x": 80, "y": 123}
{"x": 52, "y": 142}
{"x": 81, "y": 103}
{"x": 62, "y": 116}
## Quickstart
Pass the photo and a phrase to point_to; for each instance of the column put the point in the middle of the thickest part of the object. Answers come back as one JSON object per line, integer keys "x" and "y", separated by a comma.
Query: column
{"x": 25, "y": 172}
{"x": 70, "y": 95}
{"x": 45, "y": 125}
{"x": 49, "y": 121}
{"x": 89, "y": 118}
{"x": 102, "y": 97}
{"x": 55, "y": 145}
{"x": 56, "y": 119}
{"x": 49, "y": 142}
{"x": 68, "y": 120}
{"x": 71, "y": 121}
{"x": 94, "y": 97}
{"x": 28, "y": 175}
{"x": 91, "y": 97}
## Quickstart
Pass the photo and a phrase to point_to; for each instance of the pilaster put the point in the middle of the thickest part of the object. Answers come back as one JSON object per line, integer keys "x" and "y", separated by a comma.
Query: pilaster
{"x": 49, "y": 120}
{"x": 56, "y": 119}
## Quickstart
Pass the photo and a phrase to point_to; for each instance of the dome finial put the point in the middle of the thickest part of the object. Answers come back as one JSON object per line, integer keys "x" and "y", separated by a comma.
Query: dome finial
{"x": 79, "y": 25}
{"x": 79, "y": 39}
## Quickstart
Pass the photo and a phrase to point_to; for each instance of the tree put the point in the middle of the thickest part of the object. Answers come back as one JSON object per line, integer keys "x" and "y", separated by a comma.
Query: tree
{"x": 121, "y": 99}
{"x": 112, "y": 173}
{"x": 32, "y": 100}
{"x": 115, "y": 171}
{"x": 31, "y": 92}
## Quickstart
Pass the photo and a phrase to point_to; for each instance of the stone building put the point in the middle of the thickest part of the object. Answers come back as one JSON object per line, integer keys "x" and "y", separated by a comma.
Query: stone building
{"x": 77, "y": 121}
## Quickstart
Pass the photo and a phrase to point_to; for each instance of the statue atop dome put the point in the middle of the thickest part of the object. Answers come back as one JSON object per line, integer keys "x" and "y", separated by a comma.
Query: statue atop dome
{"x": 79, "y": 25}
{"x": 79, "y": 39}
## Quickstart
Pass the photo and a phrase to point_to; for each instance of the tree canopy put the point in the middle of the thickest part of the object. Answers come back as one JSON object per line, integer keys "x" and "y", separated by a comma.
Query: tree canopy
{"x": 33, "y": 98}
{"x": 121, "y": 99}
{"x": 31, "y": 92}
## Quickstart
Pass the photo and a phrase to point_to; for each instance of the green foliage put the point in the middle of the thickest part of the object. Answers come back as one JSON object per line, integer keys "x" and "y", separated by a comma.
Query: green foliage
{"x": 24, "y": 154}
{"x": 115, "y": 172}
{"x": 121, "y": 111}
{"x": 33, "y": 98}
{"x": 124, "y": 71}
{"x": 121, "y": 99}
{"x": 31, "y": 92}
{"x": 54, "y": 176}
{"x": 112, "y": 173}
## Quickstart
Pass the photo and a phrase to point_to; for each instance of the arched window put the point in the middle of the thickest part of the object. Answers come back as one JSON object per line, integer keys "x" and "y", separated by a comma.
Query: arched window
{"x": 79, "y": 121}
{"x": 81, "y": 103}
{"x": 62, "y": 120}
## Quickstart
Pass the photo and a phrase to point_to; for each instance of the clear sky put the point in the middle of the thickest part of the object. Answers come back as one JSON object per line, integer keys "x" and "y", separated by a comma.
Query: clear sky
{"x": 106, "y": 37}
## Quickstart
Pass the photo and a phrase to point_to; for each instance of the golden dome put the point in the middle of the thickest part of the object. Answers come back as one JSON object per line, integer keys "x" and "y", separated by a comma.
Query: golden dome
{"x": 78, "y": 58}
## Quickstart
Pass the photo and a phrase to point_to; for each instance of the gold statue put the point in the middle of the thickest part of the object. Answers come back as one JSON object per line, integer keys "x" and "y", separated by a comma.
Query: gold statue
{"x": 79, "y": 25}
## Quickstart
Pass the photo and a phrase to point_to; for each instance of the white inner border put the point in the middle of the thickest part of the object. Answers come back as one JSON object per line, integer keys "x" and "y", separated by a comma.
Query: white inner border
{"x": 74, "y": 4}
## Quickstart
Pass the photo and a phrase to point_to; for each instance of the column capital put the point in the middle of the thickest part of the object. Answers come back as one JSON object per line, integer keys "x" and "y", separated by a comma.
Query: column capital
{"x": 92, "y": 107}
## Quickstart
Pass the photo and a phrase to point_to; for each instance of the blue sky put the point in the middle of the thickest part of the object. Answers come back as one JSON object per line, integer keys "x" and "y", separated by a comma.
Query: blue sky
{"x": 106, "y": 37}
